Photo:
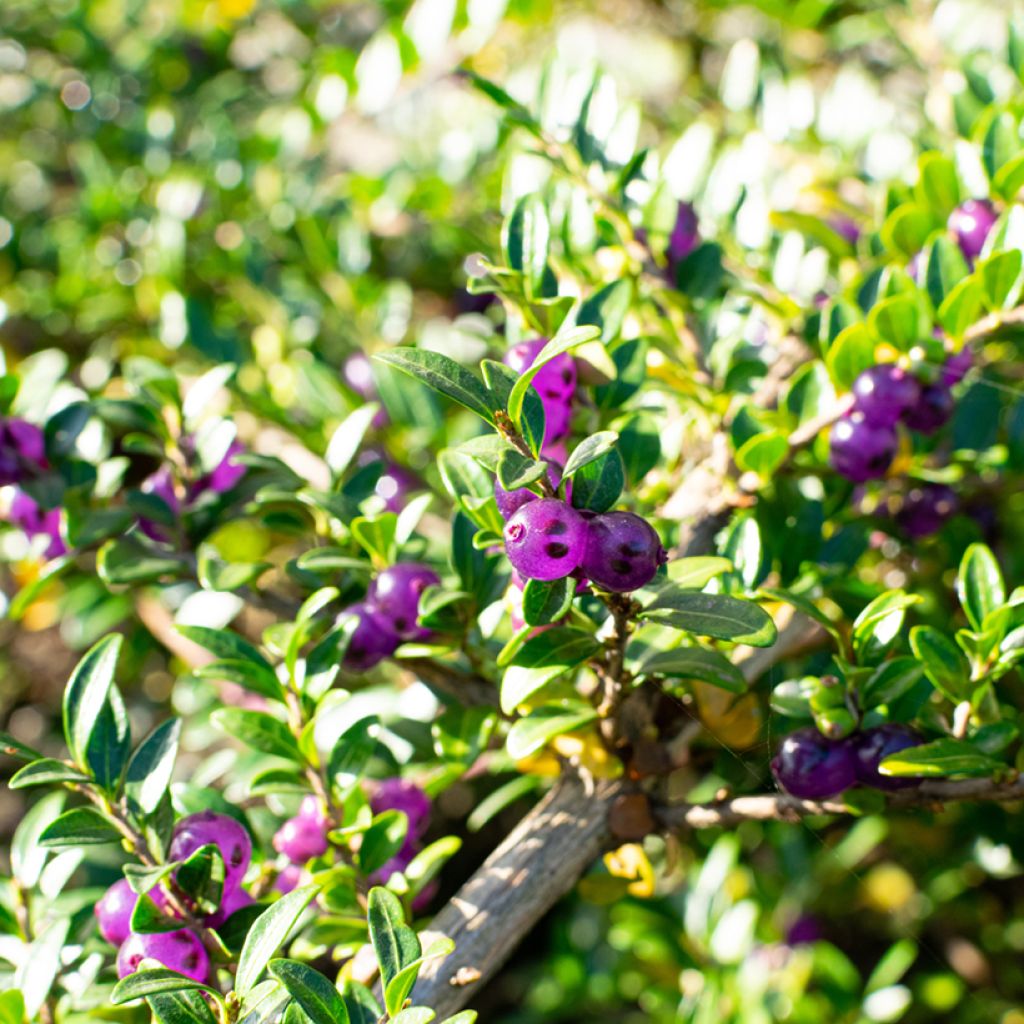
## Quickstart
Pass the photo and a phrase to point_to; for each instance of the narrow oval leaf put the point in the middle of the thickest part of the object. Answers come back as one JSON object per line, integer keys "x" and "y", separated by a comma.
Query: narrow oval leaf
{"x": 268, "y": 933}
{"x": 394, "y": 942}
{"x": 442, "y": 374}
{"x": 715, "y": 615}
{"x": 529, "y": 734}
{"x": 311, "y": 990}
{"x": 81, "y": 826}
{"x": 85, "y": 695}
{"x": 980, "y": 584}
{"x": 150, "y": 769}
{"x": 154, "y": 982}
{"x": 696, "y": 663}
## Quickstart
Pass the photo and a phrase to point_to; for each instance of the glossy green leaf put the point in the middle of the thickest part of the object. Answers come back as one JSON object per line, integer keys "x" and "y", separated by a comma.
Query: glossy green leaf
{"x": 269, "y": 932}
{"x": 151, "y": 766}
{"x": 258, "y": 730}
{"x": 547, "y": 602}
{"x": 394, "y": 942}
{"x": 942, "y": 661}
{"x": 714, "y": 615}
{"x": 444, "y": 375}
{"x": 696, "y": 663}
{"x": 81, "y": 826}
{"x": 542, "y": 659}
{"x": 529, "y": 734}
{"x": 153, "y": 982}
{"x": 317, "y": 996}
{"x": 980, "y": 584}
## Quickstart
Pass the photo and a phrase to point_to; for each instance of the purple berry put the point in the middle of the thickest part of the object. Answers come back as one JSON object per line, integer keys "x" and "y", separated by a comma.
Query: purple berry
{"x": 373, "y": 640}
{"x": 227, "y": 834}
{"x": 812, "y": 767}
{"x": 510, "y": 502}
{"x": 232, "y": 901}
{"x": 395, "y": 593}
{"x": 874, "y": 745}
{"x": 805, "y": 929}
{"x": 956, "y": 367}
{"x": 407, "y": 797}
{"x": 301, "y": 839}
{"x": 114, "y": 912}
{"x": 845, "y": 228}
{"x": 394, "y": 485}
{"x": 36, "y": 522}
{"x": 859, "y": 450}
{"x": 545, "y": 539}
{"x": 882, "y": 394}
{"x": 623, "y": 551}
{"x": 925, "y": 509}
{"x": 685, "y": 236}
{"x": 22, "y": 450}
{"x": 288, "y": 878}
{"x": 971, "y": 222}
{"x": 932, "y": 410}
{"x": 556, "y": 381}
{"x": 225, "y": 474}
{"x": 179, "y": 951}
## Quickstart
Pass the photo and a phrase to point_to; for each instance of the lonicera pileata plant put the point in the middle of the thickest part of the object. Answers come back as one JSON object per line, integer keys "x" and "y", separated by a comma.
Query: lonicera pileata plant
{"x": 656, "y": 496}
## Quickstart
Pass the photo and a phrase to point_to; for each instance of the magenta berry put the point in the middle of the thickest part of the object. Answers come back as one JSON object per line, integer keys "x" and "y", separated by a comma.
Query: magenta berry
{"x": 373, "y": 640}
{"x": 288, "y": 878}
{"x": 932, "y": 410}
{"x": 925, "y": 509}
{"x": 22, "y": 450}
{"x": 114, "y": 911}
{"x": 685, "y": 236}
{"x": 510, "y": 502}
{"x": 860, "y": 450}
{"x": 623, "y": 551}
{"x": 556, "y": 381}
{"x": 395, "y": 593}
{"x": 812, "y": 767}
{"x": 301, "y": 839}
{"x": 971, "y": 222}
{"x": 874, "y": 745}
{"x": 37, "y": 522}
{"x": 227, "y": 834}
{"x": 232, "y": 901}
{"x": 405, "y": 796}
{"x": 225, "y": 474}
{"x": 545, "y": 539}
{"x": 179, "y": 951}
{"x": 882, "y": 394}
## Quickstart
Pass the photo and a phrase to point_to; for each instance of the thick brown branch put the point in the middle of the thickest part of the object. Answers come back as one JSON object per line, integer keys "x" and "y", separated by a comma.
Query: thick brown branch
{"x": 782, "y": 807}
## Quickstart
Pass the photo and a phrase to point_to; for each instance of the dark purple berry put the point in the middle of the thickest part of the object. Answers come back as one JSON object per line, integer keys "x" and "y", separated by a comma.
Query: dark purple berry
{"x": 882, "y": 394}
{"x": 373, "y": 640}
{"x": 685, "y": 236}
{"x": 812, "y": 767}
{"x": 545, "y": 539}
{"x": 932, "y": 410}
{"x": 860, "y": 450}
{"x": 114, "y": 912}
{"x": 623, "y": 551}
{"x": 407, "y": 797}
{"x": 971, "y": 222}
{"x": 956, "y": 367}
{"x": 22, "y": 450}
{"x": 874, "y": 745}
{"x": 805, "y": 929}
{"x": 227, "y": 834}
{"x": 179, "y": 951}
{"x": 395, "y": 593}
{"x": 925, "y": 509}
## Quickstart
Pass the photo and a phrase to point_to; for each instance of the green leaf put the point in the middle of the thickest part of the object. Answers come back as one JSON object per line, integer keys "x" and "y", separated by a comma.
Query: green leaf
{"x": 45, "y": 771}
{"x": 201, "y": 877}
{"x": 259, "y": 730}
{"x": 940, "y": 758}
{"x": 763, "y": 453}
{"x": 1001, "y": 143}
{"x": 394, "y": 942}
{"x": 943, "y": 662}
{"x": 81, "y": 826}
{"x": 401, "y": 985}
{"x": 12, "y": 1007}
{"x": 852, "y": 352}
{"x": 147, "y": 918}
{"x": 597, "y": 485}
{"x": 696, "y": 663}
{"x": 27, "y": 856}
{"x": 547, "y": 602}
{"x": 714, "y": 615}
{"x": 907, "y": 228}
{"x": 382, "y": 840}
{"x": 126, "y": 560}
{"x": 607, "y": 308}
{"x": 501, "y": 379}
{"x": 347, "y": 438}
{"x": 246, "y": 674}
{"x": 980, "y": 584}
{"x": 525, "y": 237}
{"x": 352, "y": 752}
{"x": 35, "y": 976}
{"x": 461, "y": 734}
{"x": 1002, "y": 279}
{"x": 154, "y": 982}
{"x": 465, "y": 1017}
{"x": 588, "y": 450}
{"x": 311, "y": 990}
{"x": 444, "y": 375}
{"x": 151, "y": 766}
{"x": 897, "y": 321}
{"x": 529, "y": 734}
{"x": 360, "y": 1003}
{"x": 696, "y": 572}
{"x": 540, "y": 660}
{"x": 516, "y": 470}
{"x": 560, "y": 343}
{"x": 226, "y": 644}
{"x": 268, "y": 934}
{"x": 961, "y": 307}
{"x": 938, "y": 186}
{"x": 414, "y": 1015}
{"x": 87, "y": 693}
{"x": 943, "y": 268}
{"x": 428, "y": 862}
{"x": 890, "y": 681}
{"x": 502, "y": 797}
{"x": 15, "y": 748}
{"x": 183, "y": 1007}
{"x": 630, "y": 359}
{"x": 878, "y": 625}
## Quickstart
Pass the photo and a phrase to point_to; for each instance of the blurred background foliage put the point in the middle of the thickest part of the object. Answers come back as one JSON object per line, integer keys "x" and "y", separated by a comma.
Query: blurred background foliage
{"x": 282, "y": 184}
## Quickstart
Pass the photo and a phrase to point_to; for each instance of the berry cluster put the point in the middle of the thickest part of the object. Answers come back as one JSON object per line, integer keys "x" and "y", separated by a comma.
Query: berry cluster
{"x": 388, "y": 615}
{"x": 547, "y": 539}
{"x": 555, "y": 382}
{"x": 864, "y": 442}
{"x": 180, "y": 950}
{"x": 811, "y": 766}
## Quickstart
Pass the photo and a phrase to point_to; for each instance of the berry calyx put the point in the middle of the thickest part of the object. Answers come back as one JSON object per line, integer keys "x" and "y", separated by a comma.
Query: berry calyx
{"x": 623, "y": 552}
{"x": 882, "y": 394}
{"x": 812, "y": 767}
{"x": 396, "y": 592}
{"x": 227, "y": 834}
{"x": 860, "y": 450}
{"x": 873, "y": 746}
{"x": 179, "y": 951}
{"x": 546, "y": 539}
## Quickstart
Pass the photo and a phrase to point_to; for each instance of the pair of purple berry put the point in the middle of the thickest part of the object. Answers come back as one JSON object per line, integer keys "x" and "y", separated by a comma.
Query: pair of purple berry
{"x": 864, "y": 442}
{"x": 811, "y": 766}
{"x": 180, "y": 950}
{"x": 547, "y": 539}
{"x": 388, "y": 615}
